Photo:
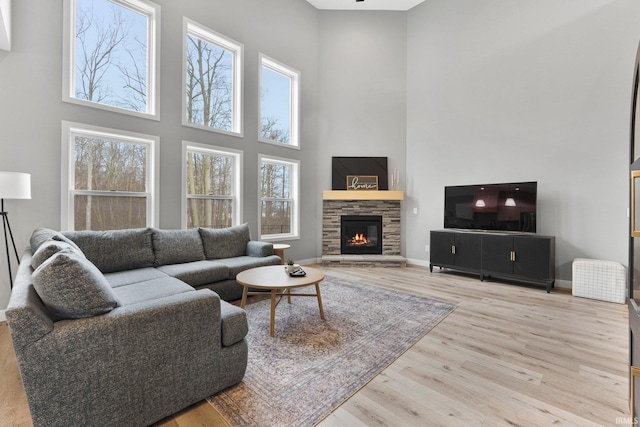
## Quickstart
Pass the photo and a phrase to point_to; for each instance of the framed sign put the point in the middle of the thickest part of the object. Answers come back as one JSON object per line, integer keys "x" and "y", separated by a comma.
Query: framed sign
{"x": 362, "y": 182}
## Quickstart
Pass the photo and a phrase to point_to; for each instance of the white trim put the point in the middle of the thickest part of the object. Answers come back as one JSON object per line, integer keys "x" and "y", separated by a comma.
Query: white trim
{"x": 237, "y": 49}
{"x": 207, "y": 149}
{"x": 143, "y": 7}
{"x": 559, "y": 283}
{"x": 295, "y": 196}
{"x": 69, "y": 131}
{"x": 3, "y": 316}
{"x": 294, "y": 101}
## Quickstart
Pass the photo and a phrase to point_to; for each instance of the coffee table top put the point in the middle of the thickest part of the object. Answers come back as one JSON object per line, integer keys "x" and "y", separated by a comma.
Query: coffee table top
{"x": 276, "y": 276}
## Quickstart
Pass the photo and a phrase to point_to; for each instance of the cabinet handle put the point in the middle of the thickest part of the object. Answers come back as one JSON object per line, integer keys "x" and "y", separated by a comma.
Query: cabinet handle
{"x": 453, "y": 249}
{"x": 513, "y": 256}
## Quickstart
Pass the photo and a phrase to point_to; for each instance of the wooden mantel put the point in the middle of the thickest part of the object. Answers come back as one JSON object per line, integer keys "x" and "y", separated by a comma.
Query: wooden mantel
{"x": 362, "y": 195}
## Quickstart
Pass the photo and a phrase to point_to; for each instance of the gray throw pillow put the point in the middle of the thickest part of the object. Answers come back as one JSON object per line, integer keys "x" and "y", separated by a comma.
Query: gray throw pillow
{"x": 41, "y": 235}
{"x": 71, "y": 287}
{"x": 49, "y": 249}
{"x": 225, "y": 242}
{"x": 177, "y": 246}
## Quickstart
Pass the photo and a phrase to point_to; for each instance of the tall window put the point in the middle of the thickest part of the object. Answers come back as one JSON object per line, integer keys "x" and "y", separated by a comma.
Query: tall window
{"x": 279, "y": 103}
{"x": 279, "y": 198}
{"x": 212, "y": 184}
{"x": 108, "y": 180}
{"x": 111, "y": 55}
{"x": 212, "y": 89}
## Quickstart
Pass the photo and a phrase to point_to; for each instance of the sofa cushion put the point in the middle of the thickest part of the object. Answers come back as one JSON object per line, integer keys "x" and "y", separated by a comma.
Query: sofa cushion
{"x": 225, "y": 242}
{"x": 48, "y": 249}
{"x": 197, "y": 273}
{"x": 150, "y": 290}
{"x": 234, "y": 323}
{"x": 255, "y": 248}
{"x": 177, "y": 246}
{"x": 127, "y": 277}
{"x": 241, "y": 263}
{"x": 71, "y": 287}
{"x": 41, "y": 235}
{"x": 116, "y": 250}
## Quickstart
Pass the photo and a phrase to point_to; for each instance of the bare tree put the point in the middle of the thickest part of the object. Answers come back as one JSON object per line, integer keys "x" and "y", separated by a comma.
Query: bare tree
{"x": 96, "y": 56}
{"x": 209, "y": 94}
{"x": 271, "y": 131}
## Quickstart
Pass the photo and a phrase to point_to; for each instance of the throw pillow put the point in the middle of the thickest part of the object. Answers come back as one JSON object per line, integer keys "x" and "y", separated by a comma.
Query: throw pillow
{"x": 225, "y": 242}
{"x": 47, "y": 250}
{"x": 177, "y": 246}
{"x": 41, "y": 235}
{"x": 71, "y": 287}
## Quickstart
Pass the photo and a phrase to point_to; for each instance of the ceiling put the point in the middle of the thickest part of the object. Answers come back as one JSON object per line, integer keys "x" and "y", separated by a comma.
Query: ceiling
{"x": 365, "y": 5}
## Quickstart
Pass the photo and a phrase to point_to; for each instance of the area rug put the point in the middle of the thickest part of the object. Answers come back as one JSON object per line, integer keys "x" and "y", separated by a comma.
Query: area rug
{"x": 311, "y": 366}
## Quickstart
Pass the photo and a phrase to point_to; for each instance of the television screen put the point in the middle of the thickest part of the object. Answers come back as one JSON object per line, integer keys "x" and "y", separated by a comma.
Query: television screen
{"x": 506, "y": 207}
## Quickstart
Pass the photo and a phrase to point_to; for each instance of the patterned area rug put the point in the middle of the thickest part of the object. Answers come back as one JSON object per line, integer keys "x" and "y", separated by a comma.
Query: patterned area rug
{"x": 311, "y": 366}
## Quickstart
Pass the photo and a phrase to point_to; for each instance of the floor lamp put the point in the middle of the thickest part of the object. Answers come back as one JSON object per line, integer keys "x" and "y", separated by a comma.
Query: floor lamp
{"x": 13, "y": 185}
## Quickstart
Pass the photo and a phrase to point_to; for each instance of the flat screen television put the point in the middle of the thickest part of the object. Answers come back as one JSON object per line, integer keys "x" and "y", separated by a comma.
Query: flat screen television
{"x": 504, "y": 207}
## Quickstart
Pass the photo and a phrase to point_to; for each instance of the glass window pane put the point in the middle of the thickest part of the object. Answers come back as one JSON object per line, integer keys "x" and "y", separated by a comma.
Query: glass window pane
{"x": 210, "y": 213}
{"x": 109, "y": 213}
{"x": 111, "y": 55}
{"x": 275, "y": 106}
{"x": 209, "y": 85}
{"x": 209, "y": 175}
{"x": 276, "y": 217}
{"x": 276, "y": 180}
{"x": 108, "y": 165}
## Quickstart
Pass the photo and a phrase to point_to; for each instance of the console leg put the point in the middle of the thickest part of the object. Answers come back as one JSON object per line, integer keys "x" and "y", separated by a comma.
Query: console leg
{"x": 430, "y": 268}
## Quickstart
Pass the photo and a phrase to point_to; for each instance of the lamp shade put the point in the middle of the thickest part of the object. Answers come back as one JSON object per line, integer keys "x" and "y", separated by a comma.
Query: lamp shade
{"x": 15, "y": 185}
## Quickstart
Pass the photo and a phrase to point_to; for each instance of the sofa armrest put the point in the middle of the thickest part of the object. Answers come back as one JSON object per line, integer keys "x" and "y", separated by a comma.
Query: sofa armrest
{"x": 132, "y": 358}
{"x": 259, "y": 249}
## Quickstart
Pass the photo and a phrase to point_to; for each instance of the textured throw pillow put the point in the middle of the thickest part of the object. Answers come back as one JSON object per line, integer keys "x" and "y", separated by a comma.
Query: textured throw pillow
{"x": 177, "y": 246}
{"x": 71, "y": 287}
{"x": 49, "y": 249}
{"x": 41, "y": 235}
{"x": 225, "y": 242}
{"x": 116, "y": 250}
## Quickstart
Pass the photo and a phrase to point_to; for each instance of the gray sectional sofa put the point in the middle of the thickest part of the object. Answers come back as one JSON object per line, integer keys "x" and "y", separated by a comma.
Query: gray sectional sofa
{"x": 126, "y": 327}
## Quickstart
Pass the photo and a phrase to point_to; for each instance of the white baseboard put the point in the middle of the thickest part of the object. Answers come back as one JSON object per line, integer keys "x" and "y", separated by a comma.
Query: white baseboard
{"x": 564, "y": 284}
{"x": 3, "y": 317}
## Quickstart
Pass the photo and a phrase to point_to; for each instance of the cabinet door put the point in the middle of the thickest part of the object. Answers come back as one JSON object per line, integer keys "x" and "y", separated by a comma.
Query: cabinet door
{"x": 532, "y": 256}
{"x": 440, "y": 249}
{"x": 468, "y": 250}
{"x": 496, "y": 253}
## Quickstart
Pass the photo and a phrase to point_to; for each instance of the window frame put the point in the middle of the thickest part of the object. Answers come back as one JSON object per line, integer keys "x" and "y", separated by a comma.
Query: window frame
{"x": 69, "y": 131}
{"x": 295, "y": 198}
{"x": 145, "y": 7}
{"x": 294, "y": 100}
{"x": 237, "y": 178}
{"x": 190, "y": 27}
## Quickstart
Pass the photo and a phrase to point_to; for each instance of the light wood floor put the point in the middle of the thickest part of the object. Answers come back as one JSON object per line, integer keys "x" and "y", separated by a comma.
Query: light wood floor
{"x": 507, "y": 356}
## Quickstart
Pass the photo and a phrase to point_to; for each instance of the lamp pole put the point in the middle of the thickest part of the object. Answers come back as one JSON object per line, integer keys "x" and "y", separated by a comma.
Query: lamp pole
{"x": 6, "y": 226}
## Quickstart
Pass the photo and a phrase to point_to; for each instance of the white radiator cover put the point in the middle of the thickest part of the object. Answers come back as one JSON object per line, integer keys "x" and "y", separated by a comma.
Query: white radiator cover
{"x": 599, "y": 279}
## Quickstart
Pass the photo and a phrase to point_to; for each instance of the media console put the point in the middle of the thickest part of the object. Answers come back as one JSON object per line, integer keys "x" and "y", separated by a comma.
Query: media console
{"x": 509, "y": 255}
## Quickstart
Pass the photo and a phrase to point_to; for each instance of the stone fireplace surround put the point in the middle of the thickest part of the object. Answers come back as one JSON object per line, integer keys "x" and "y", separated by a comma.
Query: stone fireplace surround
{"x": 383, "y": 203}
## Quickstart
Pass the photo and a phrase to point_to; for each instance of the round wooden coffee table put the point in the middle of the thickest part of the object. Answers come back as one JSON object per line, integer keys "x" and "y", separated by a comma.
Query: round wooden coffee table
{"x": 276, "y": 279}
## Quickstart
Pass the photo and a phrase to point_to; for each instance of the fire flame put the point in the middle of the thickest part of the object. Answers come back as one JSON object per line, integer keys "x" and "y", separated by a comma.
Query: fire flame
{"x": 359, "y": 239}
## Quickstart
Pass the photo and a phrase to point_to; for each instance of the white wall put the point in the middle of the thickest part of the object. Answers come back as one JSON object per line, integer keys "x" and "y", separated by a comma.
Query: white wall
{"x": 508, "y": 90}
{"x": 31, "y": 107}
{"x": 362, "y": 97}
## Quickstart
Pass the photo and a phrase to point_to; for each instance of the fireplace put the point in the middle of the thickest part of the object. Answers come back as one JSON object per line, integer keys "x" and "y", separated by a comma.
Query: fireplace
{"x": 360, "y": 234}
